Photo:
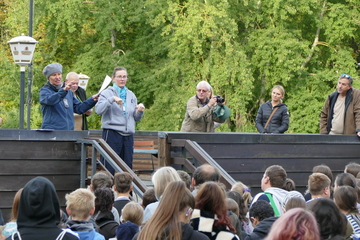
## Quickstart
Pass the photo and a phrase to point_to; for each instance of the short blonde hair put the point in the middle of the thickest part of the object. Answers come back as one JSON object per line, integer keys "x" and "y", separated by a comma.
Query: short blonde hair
{"x": 80, "y": 203}
{"x": 133, "y": 212}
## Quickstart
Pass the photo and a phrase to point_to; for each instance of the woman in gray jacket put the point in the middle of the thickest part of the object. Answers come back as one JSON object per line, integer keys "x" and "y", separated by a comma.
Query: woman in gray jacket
{"x": 279, "y": 122}
{"x": 119, "y": 109}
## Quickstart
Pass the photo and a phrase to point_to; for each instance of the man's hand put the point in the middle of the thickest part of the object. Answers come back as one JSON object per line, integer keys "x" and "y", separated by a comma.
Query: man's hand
{"x": 212, "y": 101}
{"x": 358, "y": 134}
{"x": 68, "y": 85}
{"x": 95, "y": 97}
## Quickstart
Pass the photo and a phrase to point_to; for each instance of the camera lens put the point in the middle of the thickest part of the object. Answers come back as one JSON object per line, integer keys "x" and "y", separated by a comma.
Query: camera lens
{"x": 219, "y": 99}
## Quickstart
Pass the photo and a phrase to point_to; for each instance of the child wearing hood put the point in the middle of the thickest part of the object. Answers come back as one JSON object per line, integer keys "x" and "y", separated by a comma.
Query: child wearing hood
{"x": 39, "y": 213}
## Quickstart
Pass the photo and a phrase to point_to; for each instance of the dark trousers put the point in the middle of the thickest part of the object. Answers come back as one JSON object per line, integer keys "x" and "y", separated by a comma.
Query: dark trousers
{"x": 122, "y": 145}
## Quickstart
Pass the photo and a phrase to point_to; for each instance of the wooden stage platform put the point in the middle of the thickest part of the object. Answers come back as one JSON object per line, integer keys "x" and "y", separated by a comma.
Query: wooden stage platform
{"x": 25, "y": 154}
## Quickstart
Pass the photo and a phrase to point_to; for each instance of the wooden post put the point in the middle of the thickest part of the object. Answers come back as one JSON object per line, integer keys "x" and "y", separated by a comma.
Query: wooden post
{"x": 163, "y": 151}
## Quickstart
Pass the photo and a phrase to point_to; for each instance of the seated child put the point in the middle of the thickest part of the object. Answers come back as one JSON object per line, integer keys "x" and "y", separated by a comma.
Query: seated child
{"x": 39, "y": 213}
{"x": 149, "y": 197}
{"x": 80, "y": 205}
{"x": 132, "y": 215}
{"x": 103, "y": 217}
{"x": 122, "y": 187}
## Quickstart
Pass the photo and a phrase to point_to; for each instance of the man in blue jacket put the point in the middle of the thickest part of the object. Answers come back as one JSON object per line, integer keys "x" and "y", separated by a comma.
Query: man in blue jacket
{"x": 58, "y": 104}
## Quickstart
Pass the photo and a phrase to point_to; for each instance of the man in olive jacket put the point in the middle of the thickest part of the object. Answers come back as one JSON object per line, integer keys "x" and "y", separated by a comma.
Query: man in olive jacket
{"x": 199, "y": 111}
{"x": 341, "y": 112}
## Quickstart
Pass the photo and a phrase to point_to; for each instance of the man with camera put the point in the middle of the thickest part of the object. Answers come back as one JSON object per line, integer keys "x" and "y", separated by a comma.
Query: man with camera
{"x": 200, "y": 109}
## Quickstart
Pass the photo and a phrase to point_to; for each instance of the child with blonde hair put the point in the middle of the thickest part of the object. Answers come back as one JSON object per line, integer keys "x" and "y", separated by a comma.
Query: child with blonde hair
{"x": 244, "y": 191}
{"x": 80, "y": 205}
{"x": 245, "y": 194}
{"x": 132, "y": 216}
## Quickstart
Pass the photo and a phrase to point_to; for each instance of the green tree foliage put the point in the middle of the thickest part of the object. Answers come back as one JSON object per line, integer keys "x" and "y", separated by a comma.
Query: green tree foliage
{"x": 241, "y": 47}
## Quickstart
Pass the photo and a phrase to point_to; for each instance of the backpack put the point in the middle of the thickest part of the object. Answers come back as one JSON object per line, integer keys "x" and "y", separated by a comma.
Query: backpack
{"x": 289, "y": 195}
{"x": 59, "y": 237}
{"x": 106, "y": 223}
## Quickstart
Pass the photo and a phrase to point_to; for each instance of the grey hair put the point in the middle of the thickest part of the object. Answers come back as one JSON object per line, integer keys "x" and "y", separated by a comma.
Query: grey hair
{"x": 348, "y": 78}
{"x": 203, "y": 83}
{"x": 162, "y": 177}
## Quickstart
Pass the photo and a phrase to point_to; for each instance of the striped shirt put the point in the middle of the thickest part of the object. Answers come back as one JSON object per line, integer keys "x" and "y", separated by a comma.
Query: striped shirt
{"x": 354, "y": 220}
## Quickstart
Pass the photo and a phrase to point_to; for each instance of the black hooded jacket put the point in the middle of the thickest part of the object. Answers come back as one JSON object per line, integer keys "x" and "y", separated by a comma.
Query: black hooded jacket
{"x": 262, "y": 229}
{"x": 39, "y": 212}
{"x": 188, "y": 233}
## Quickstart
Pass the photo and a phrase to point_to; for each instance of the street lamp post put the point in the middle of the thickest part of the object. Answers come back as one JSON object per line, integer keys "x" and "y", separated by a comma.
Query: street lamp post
{"x": 22, "y": 49}
{"x": 29, "y": 101}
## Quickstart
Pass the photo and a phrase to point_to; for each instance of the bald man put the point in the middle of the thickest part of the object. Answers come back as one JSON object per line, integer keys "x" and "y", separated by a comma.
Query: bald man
{"x": 202, "y": 174}
{"x": 80, "y": 119}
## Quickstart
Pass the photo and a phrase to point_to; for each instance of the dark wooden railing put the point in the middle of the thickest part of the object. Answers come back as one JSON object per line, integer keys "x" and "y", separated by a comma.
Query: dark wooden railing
{"x": 58, "y": 155}
{"x": 245, "y": 156}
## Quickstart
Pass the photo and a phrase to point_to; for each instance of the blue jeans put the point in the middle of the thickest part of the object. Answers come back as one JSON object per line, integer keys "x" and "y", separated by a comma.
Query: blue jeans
{"x": 122, "y": 145}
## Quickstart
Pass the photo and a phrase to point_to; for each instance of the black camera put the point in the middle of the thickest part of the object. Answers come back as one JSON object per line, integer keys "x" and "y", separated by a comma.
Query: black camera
{"x": 219, "y": 99}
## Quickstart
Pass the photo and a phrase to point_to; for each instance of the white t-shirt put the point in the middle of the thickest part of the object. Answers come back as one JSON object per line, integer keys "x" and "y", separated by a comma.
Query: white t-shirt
{"x": 337, "y": 123}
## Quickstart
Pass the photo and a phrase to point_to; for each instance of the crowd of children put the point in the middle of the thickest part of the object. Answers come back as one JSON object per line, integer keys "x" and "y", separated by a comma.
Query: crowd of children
{"x": 197, "y": 207}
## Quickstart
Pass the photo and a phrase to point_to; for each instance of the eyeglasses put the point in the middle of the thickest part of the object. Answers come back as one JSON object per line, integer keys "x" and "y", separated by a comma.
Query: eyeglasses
{"x": 119, "y": 76}
{"x": 345, "y": 76}
{"x": 202, "y": 90}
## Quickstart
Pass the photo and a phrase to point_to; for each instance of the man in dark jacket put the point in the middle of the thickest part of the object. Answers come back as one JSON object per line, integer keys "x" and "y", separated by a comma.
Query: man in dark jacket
{"x": 341, "y": 112}
{"x": 262, "y": 217}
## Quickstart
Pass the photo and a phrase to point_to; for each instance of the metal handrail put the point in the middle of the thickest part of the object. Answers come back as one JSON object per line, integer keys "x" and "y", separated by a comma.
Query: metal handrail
{"x": 201, "y": 157}
{"x": 138, "y": 186}
{"x": 212, "y": 162}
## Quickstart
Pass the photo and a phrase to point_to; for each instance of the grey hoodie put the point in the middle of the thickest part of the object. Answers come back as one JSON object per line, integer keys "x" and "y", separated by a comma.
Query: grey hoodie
{"x": 278, "y": 195}
{"x": 113, "y": 115}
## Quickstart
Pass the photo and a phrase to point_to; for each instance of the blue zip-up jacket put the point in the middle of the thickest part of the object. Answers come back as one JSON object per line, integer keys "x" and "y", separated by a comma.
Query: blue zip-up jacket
{"x": 58, "y": 107}
{"x": 85, "y": 230}
{"x": 113, "y": 115}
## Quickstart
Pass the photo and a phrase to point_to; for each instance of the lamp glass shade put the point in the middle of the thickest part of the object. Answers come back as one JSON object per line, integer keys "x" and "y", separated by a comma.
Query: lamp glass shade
{"x": 83, "y": 80}
{"x": 22, "y": 49}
